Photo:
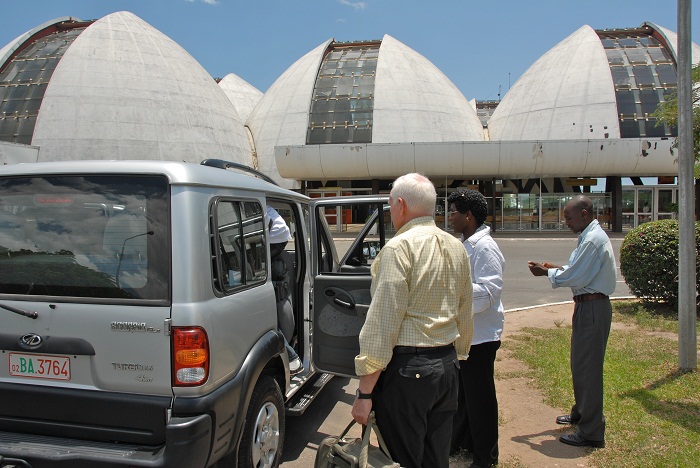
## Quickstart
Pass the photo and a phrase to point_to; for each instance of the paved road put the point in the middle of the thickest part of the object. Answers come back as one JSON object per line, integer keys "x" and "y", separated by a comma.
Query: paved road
{"x": 521, "y": 289}
{"x": 330, "y": 413}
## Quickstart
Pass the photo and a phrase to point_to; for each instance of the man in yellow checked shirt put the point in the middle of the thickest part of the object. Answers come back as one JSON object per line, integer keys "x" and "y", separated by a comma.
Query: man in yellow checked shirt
{"x": 419, "y": 324}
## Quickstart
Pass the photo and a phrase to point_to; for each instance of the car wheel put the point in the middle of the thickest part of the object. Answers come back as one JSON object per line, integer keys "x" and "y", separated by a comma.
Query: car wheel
{"x": 263, "y": 436}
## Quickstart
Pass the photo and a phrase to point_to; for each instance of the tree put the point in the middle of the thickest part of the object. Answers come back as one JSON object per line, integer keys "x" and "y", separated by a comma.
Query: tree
{"x": 667, "y": 113}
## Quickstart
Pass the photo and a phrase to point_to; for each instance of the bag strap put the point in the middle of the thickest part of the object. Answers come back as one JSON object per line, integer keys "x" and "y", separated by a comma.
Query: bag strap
{"x": 364, "y": 450}
{"x": 347, "y": 429}
{"x": 380, "y": 439}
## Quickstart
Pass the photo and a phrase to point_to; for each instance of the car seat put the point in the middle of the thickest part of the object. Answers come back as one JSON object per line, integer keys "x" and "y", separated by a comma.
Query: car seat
{"x": 283, "y": 280}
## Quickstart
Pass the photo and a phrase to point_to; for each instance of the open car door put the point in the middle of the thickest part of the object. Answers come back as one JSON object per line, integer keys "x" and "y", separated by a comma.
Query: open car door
{"x": 347, "y": 234}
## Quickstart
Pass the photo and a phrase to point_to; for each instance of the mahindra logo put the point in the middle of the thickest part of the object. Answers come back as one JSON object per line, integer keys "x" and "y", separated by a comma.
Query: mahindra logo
{"x": 31, "y": 340}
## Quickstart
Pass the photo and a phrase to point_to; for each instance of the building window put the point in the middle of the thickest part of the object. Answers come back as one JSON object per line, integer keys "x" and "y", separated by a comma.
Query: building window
{"x": 343, "y": 97}
{"x": 23, "y": 82}
{"x": 643, "y": 74}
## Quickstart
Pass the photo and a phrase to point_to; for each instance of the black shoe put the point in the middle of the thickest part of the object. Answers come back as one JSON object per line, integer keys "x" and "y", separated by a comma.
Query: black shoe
{"x": 567, "y": 419}
{"x": 578, "y": 441}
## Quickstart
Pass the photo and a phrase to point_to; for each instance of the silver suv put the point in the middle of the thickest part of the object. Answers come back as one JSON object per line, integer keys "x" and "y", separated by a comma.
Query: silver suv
{"x": 141, "y": 317}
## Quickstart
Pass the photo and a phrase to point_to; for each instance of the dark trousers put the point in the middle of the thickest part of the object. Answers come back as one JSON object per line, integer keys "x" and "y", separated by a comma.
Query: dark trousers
{"x": 275, "y": 249}
{"x": 589, "y": 338}
{"x": 414, "y": 401}
{"x": 475, "y": 426}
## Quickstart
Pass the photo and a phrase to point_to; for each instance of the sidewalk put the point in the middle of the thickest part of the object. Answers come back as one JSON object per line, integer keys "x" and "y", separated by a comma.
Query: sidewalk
{"x": 528, "y": 435}
{"x": 528, "y": 432}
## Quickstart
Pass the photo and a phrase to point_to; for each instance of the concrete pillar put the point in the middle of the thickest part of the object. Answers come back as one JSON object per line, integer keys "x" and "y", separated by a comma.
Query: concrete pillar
{"x": 613, "y": 185}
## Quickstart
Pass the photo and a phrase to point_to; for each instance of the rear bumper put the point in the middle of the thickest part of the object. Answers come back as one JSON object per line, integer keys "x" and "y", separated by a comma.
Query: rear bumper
{"x": 188, "y": 441}
{"x": 205, "y": 429}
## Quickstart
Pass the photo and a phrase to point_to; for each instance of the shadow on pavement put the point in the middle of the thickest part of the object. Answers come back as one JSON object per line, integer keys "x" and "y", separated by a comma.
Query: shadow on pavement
{"x": 304, "y": 433}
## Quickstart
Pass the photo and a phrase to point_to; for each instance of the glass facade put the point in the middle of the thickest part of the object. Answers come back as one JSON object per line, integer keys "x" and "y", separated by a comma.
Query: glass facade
{"x": 23, "y": 82}
{"x": 643, "y": 74}
{"x": 343, "y": 97}
{"x": 544, "y": 212}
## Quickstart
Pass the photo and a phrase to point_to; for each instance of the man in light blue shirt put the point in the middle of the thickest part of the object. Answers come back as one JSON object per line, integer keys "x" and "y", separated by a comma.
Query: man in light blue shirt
{"x": 591, "y": 276}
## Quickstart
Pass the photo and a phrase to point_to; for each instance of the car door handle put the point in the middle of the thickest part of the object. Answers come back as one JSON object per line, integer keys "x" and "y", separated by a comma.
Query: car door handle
{"x": 341, "y": 298}
{"x": 346, "y": 304}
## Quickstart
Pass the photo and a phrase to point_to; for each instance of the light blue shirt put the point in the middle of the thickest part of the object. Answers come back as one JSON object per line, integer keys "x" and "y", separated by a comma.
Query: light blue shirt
{"x": 487, "y": 265}
{"x": 591, "y": 267}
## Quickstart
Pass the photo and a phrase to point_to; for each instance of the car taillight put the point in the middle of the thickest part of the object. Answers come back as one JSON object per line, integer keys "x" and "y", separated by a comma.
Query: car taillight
{"x": 190, "y": 356}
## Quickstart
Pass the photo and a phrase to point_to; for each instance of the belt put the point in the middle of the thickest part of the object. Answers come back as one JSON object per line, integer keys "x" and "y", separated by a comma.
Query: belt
{"x": 589, "y": 297}
{"x": 422, "y": 350}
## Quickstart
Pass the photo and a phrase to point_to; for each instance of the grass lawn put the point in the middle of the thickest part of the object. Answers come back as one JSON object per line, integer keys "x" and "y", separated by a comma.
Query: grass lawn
{"x": 652, "y": 409}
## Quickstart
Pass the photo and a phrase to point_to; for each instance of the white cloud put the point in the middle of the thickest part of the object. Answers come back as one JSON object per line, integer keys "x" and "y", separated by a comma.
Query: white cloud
{"x": 355, "y": 5}
{"x": 209, "y": 2}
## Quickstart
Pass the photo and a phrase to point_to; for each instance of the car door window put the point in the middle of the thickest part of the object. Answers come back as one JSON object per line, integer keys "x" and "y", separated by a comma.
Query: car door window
{"x": 239, "y": 254}
{"x": 358, "y": 232}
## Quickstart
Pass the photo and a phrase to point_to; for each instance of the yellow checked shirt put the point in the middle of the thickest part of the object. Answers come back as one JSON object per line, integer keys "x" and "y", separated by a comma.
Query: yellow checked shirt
{"x": 421, "y": 296}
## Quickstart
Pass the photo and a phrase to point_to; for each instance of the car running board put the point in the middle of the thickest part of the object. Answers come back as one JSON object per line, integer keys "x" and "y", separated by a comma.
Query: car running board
{"x": 303, "y": 398}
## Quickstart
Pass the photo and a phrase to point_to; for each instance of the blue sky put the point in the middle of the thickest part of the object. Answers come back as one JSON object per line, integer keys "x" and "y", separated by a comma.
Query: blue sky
{"x": 483, "y": 46}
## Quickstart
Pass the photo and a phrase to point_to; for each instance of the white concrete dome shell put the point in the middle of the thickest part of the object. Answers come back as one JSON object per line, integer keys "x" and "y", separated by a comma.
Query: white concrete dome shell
{"x": 124, "y": 90}
{"x": 282, "y": 115}
{"x": 243, "y": 95}
{"x": 413, "y": 102}
{"x": 566, "y": 94}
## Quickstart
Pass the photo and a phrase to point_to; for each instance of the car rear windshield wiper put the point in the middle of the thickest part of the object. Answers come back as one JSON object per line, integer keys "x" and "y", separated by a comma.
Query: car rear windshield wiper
{"x": 31, "y": 315}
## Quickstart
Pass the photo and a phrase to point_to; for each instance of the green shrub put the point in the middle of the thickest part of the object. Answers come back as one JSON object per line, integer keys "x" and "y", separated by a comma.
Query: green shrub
{"x": 649, "y": 261}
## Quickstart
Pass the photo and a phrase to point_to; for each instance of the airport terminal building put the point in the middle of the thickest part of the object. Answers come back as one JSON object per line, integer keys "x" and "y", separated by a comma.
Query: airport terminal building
{"x": 349, "y": 117}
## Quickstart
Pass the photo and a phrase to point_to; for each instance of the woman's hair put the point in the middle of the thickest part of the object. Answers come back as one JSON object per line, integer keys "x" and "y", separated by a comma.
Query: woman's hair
{"x": 470, "y": 200}
{"x": 417, "y": 191}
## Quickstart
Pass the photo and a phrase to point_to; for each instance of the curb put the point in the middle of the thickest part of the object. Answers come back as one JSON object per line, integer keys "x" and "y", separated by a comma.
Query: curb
{"x": 551, "y": 304}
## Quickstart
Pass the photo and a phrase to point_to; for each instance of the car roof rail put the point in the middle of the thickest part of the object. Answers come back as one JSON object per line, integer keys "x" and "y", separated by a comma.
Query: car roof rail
{"x": 221, "y": 164}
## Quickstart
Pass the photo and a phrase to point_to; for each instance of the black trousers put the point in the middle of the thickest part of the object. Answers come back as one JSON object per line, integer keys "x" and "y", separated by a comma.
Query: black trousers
{"x": 475, "y": 426}
{"x": 414, "y": 402}
{"x": 275, "y": 249}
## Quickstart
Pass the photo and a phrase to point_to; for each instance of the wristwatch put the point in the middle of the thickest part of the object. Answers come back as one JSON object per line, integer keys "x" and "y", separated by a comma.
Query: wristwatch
{"x": 362, "y": 396}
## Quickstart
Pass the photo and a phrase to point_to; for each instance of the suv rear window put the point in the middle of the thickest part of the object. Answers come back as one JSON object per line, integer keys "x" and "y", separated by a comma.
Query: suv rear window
{"x": 85, "y": 236}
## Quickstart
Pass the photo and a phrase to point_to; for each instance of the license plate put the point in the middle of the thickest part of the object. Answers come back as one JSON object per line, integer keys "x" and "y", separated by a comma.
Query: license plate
{"x": 40, "y": 366}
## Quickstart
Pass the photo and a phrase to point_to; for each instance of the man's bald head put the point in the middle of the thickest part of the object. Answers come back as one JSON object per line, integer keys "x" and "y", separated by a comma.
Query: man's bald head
{"x": 578, "y": 213}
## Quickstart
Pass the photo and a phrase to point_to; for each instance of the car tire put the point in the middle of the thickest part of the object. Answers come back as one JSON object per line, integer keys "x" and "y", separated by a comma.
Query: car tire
{"x": 263, "y": 434}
